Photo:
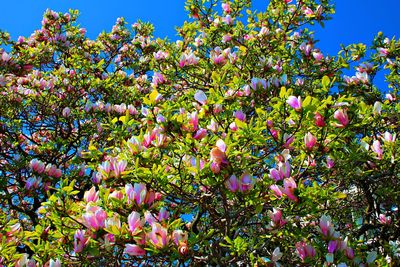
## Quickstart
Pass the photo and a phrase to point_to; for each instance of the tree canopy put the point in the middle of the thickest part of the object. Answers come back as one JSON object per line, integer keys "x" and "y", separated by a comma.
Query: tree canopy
{"x": 240, "y": 144}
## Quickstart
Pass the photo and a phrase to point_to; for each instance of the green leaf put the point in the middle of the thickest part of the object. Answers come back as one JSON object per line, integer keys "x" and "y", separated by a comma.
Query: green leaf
{"x": 325, "y": 82}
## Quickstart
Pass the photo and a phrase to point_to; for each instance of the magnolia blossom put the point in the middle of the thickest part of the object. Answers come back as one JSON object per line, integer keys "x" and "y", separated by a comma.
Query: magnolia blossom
{"x": 330, "y": 163}
{"x": 341, "y": 116}
{"x": 310, "y": 140}
{"x": 319, "y": 120}
{"x": 92, "y": 195}
{"x": 134, "y": 250}
{"x": 80, "y": 241}
{"x": 326, "y": 226}
{"x": 257, "y": 83}
{"x": 305, "y": 250}
{"x": 180, "y": 239}
{"x": 226, "y": 7}
{"x": 94, "y": 218}
{"x": 158, "y": 236}
{"x": 388, "y": 137}
{"x": 134, "y": 222}
{"x": 188, "y": 59}
{"x": 295, "y": 102}
{"x": 113, "y": 222}
{"x": 377, "y": 148}
{"x": 118, "y": 166}
{"x": 276, "y": 218}
{"x": 277, "y": 190}
{"x": 240, "y": 115}
{"x": 245, "y": 183}
{"x": 289, "y": 188}
{"x": 139, "y": 194}
{"x": 218, "y": 156}
{"x": 282, "y": 171}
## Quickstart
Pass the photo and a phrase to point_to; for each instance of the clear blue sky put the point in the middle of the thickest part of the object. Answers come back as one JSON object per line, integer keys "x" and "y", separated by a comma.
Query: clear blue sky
{"x": 355, "y": 20}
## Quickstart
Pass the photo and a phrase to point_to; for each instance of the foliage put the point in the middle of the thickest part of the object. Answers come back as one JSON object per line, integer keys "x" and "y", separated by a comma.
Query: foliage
{"x": 239, "y": 144}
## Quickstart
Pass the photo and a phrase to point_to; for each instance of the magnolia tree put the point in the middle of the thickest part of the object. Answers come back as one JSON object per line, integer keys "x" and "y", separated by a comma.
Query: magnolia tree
{"x": 242, "y": 143}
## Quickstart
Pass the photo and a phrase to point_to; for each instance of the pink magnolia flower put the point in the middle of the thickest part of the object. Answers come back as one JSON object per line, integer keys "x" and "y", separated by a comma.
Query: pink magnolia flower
{"x": 94, "y": 218}
{"x": 179, "y": 237}
{"x": 318, "y": 56}
{"x": 213, "y": 126}
{"x": 134, "y": 146}
{"x": 282, "y": 171}
{"x": 333, "y": 246}
{"x": 149, "y": 217}
{"x": 388, "y": 137}
{"x": 138, "y": 193}
{"x": 341, "y": 116}
{"x": 295, "y": 102}
{"x": 232, "y": 183}
{"x": 92, "y": 195}
{"x": 226, "y": 7}
{"x": 390, "y": 97}
{"x": 113, "y": 221}
{"x": 200, "y": 134}
{"x": 163, "y": 214}
{"x": 277, "y": 190}
{"x": 32, "y": 183}
{"x": 276, "y": 218}
{"x": 80, "y": 241}
{"x": 188, "y": 59}
{"x": 246, "y": 182}
{"x": 288, "y": 139}
{"x": 349, "y": 252}
{"x": 134, "y": 250}
{"x": 383, "y": 219}
{"x": 384, "y": 52}
{"x": 326, "y": 226}
{"x": 104, "y": 168}
{"x": 257, "y": 83}
{"x": 158, "y": 78}
{"x": 329, "y": 162}
{"x": 134, "y": 222}
{"x": 193, "y": 121}
{"x": 118, "y": 166}
{"x": 289, "y": 188}
{"x": 319, "y": 120}
{"x": 5, "y": 57}
{"x": 240, "y": 115}
{"x": 310, "y": 140}
{"x": 233, "y": 126}
{"x": 377, "y": 110}
{"x": 218, "y": 156}
{"x": 305, "y": 251}
{"x": 158, "y": 236}
{"x": 308, "y": 12}
{"x": 117, "y": 195}
{"x": 377, "y": 148}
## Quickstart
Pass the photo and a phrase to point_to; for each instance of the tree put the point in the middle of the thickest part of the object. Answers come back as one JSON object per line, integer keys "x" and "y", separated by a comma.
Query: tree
{"x": 240, "y": 144}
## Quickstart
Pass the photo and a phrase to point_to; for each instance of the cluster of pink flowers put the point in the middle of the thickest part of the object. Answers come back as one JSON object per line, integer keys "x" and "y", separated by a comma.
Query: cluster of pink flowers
{"x": 242, "y": 184}
{"x": 218, "y": 157}
{"x": 39, "y": 167}
{"x": 97, "y": 219}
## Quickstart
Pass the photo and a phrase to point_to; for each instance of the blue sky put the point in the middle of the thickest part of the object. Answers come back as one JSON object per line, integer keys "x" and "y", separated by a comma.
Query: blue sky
{"x": 355, "y": 21}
